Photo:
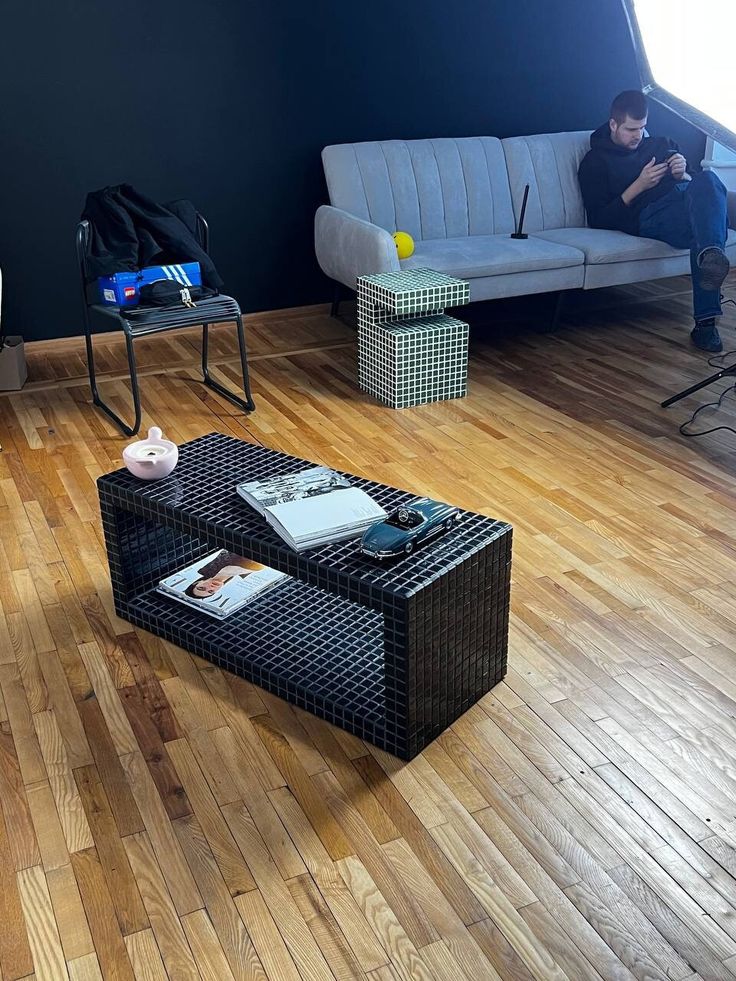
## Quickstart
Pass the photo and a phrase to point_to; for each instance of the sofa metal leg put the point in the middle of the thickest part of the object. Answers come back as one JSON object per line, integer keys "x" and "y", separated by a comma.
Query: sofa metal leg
{"x": 336, "y": 298}
{"x": 555, "y": 322}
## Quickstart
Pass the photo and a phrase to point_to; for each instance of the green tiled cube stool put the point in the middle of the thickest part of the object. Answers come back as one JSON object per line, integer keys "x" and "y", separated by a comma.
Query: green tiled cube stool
{"x": 409, "y": 351}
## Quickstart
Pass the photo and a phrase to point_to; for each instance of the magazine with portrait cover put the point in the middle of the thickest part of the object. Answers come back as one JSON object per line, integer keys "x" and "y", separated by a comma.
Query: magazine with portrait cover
{"x": 221, "y": 583}
{"x": 312, "y": 507}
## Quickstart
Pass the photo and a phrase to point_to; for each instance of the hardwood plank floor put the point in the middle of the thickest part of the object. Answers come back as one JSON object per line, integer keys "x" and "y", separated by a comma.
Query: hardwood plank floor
{"x": 159, "y": 818}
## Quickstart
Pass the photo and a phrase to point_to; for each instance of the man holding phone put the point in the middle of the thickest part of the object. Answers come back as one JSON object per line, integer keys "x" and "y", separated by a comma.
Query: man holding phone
{"x": 639, "y": 184}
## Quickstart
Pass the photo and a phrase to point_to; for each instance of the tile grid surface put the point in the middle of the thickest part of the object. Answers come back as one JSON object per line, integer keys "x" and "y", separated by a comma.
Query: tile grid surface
{"x": 409, "y": 351}
{"x": 392, "y": 653}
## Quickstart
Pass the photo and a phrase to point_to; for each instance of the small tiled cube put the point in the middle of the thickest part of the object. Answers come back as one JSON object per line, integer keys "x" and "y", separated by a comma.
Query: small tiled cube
{"x": 413, "y": 291}
{"x": 414, "y": 361}
{"x": 409, "y": 351}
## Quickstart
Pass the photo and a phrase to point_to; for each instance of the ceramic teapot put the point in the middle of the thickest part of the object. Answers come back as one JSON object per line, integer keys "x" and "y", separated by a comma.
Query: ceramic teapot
{"x": 152, "y": 458}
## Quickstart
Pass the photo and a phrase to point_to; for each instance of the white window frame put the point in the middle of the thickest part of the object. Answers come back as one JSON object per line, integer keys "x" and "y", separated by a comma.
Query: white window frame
{"x": 722, "y": 161}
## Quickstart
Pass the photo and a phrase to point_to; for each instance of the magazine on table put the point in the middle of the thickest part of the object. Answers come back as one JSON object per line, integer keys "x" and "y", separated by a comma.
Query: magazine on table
{"x": 221, "y": 583}
{"x": 312, "y": 507}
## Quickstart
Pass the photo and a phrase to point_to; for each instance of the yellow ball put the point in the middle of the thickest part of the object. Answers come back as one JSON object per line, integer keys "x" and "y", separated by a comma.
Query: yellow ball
{"x": 404, "y": 244}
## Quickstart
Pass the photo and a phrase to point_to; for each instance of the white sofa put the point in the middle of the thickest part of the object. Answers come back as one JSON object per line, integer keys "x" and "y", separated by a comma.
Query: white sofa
{"x": 459, "y": 199}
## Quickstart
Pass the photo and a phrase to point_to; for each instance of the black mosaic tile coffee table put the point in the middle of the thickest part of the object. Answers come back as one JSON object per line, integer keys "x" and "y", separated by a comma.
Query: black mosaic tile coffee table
{"x": 391, "y": 653}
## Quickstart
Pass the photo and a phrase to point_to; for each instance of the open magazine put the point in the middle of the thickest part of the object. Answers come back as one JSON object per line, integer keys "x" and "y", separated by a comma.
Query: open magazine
{"x": 221, "y": 583}
{"x": 312, "y": 507}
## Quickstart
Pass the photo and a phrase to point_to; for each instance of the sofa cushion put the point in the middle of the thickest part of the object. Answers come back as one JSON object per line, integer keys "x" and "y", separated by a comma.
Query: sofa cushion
{"x": 444, "y": 188}
{"x": 549, "y": 164}
{"x": 491, "y": 255}
{"x": 601, "y": 245}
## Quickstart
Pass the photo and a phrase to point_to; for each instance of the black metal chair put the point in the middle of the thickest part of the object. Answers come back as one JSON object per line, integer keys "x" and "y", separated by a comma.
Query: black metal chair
{"x": 217, "y": 309}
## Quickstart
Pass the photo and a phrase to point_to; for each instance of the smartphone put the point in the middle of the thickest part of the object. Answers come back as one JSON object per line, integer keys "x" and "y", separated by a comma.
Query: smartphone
{"x": 664, "y": 157}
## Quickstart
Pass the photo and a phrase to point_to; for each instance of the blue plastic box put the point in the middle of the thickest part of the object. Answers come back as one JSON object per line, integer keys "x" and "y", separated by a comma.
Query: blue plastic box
{"x": 121, "y": 289}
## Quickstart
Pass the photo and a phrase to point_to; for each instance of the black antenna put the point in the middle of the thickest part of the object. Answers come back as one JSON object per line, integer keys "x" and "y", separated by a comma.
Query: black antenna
{"x": 519, "y": 233}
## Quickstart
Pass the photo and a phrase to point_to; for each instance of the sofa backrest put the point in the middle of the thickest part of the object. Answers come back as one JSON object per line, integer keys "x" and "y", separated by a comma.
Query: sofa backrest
{"x": 549, "y": 164}
{"x": 444, "y": 188}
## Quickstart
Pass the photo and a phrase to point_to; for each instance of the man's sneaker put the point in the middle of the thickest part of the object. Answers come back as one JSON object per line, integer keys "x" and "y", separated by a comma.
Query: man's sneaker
{"x": 705, "y": 336}
{"x": 714, "y": 266}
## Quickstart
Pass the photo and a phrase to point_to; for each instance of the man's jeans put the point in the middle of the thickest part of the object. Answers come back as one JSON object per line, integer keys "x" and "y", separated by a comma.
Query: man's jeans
{"x": 692, "y": 216}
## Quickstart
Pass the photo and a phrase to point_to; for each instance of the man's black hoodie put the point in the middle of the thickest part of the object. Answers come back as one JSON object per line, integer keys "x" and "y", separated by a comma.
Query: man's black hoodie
{"x": 608, "y": 169}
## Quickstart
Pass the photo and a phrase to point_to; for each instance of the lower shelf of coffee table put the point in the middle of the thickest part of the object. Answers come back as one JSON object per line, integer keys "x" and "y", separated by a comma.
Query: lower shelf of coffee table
{"x": 314, "y": 649}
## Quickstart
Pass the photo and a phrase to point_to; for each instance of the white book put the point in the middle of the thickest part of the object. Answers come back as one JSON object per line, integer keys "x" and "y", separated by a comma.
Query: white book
{"x": 220, "y": 583}
{"x": 312, "y": 507}
{"x": 316, "y": 481}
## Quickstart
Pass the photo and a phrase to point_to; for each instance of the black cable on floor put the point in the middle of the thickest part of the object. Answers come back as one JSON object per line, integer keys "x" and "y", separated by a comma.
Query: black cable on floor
{"x": 714, "y": 363}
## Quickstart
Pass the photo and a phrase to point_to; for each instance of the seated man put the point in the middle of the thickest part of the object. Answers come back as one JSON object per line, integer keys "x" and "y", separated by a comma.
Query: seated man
{"x": 638, "y": 184}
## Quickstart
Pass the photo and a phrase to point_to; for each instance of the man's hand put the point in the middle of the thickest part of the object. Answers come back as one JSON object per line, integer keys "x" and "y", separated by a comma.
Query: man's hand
{"x": 678, "y": 165}
{"x": 651, "y": 174}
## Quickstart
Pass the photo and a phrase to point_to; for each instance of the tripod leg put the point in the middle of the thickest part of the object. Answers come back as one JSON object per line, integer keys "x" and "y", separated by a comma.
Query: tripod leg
{"x": 723, "y": 373}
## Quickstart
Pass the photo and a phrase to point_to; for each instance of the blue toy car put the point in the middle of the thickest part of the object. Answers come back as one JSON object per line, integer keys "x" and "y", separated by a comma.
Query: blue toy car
{"x": 407, "y": 527}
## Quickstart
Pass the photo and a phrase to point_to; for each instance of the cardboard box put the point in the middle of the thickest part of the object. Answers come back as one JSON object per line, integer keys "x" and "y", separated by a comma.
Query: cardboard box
{"x": 13, "y": 370}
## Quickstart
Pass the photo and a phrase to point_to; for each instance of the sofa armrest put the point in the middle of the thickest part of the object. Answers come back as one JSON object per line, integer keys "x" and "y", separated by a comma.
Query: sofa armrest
{"x": 348, "y": 247}
{"x": 732, "y": 209}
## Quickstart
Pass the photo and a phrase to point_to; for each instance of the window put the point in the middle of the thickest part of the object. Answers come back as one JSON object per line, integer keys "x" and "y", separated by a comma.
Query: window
{"x": 685, "y": 51}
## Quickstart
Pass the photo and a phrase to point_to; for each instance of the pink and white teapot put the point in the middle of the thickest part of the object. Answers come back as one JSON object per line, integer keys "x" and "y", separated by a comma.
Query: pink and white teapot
{"x": 152, "y": 458}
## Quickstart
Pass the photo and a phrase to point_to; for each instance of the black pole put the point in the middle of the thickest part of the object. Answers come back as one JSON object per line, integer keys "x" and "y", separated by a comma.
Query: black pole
{"x": 519, "y": 233}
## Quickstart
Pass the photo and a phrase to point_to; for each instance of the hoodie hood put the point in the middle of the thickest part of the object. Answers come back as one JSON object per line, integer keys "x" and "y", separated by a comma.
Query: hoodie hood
{"x": 600, "y": 139}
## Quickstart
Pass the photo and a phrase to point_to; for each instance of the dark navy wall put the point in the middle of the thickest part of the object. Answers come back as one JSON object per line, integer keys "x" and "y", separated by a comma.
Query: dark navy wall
{"x": 229, "y": 103}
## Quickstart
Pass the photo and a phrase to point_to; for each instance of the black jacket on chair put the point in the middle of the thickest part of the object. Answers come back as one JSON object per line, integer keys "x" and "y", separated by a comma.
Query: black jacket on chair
{"x": 130, "y": 231}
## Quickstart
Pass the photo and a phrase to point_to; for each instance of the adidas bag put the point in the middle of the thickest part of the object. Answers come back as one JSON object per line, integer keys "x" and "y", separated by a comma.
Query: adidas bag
{"x": 123, "y": 288}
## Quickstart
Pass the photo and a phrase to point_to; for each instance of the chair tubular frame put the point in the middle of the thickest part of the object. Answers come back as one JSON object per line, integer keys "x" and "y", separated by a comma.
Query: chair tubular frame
{"x": 246, "y": 404}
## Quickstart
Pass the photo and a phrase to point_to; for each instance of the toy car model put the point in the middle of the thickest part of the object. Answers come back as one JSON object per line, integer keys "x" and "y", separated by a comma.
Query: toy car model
{"x": 407, "y": 527}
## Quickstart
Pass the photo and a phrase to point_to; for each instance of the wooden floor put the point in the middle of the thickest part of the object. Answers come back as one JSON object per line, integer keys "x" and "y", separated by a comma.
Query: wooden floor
{"x": 159, "y": 818}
